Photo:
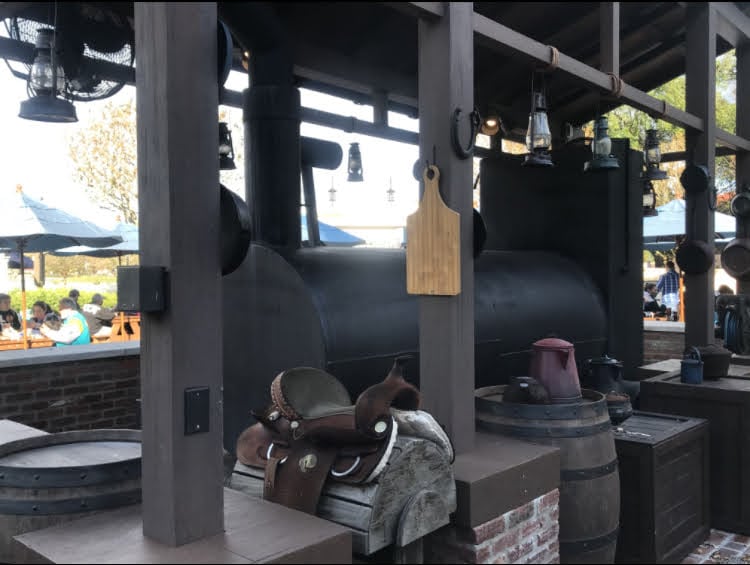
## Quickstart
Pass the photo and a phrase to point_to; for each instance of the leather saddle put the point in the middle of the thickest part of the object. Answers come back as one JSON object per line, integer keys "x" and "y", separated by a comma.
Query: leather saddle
{"x": 311, "y": 431}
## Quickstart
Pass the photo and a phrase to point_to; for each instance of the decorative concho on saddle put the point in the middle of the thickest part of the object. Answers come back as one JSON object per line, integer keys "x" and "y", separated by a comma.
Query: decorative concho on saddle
{"x": 312, "y": 431}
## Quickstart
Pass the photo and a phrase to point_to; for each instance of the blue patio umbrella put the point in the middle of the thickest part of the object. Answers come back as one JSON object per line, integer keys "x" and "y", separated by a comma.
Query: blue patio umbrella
{"x": 670, "y": 224}
{"x": 331, "y": 235}
{"x": 30, "y": 226}
{"x": 128, "y": 245}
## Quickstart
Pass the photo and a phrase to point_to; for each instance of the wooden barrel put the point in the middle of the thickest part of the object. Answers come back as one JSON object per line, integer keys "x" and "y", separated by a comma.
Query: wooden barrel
{"x": 50, "y": 479}
{"x": 589, "y": 479}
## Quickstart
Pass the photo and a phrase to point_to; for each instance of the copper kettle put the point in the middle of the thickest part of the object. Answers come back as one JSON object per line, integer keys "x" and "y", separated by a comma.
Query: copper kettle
{"x": 553, "y": 364}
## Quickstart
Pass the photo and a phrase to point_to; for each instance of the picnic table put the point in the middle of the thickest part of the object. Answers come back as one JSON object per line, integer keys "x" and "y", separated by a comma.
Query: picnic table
{"x": 30, "y": 343}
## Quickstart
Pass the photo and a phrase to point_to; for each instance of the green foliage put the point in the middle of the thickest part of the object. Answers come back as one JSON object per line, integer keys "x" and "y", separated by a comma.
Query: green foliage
{"x": 627, "y": 122}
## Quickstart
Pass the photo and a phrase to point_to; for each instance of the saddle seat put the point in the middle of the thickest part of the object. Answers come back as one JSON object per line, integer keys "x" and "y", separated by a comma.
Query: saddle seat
{"x": 312, "y": 430}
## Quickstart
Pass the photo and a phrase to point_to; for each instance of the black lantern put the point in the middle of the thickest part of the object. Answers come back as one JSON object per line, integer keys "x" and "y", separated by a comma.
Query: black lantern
{"x": 601, "y": 147}
{"x": 538, "y": 136}
{"x": 649, "y": 199}
{"x": 226, "y": 148}
{"x": 46, "y": 81}
{"x": 391, "y": 194}
{"x": 355, "y": 163}
{"x": 490, "y": 125}
{"x": 652, "y": 157}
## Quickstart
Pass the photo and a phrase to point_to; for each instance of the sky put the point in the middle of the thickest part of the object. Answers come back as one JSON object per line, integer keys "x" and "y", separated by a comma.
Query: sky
{"x": 35, "y": 155}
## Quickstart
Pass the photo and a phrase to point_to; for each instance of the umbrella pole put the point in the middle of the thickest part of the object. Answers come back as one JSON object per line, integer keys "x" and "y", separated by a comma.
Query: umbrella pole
{"x": 23, "y": 300}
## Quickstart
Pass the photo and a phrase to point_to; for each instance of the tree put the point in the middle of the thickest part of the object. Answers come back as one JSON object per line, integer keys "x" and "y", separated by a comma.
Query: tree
{"x": 105, "y": 160}
{"x": 632, "y": 124}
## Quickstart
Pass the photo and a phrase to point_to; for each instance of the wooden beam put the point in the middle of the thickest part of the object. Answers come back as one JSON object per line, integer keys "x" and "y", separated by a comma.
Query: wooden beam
{"x": 609, "y": 37}
{"x": 742, "y": 170}
{"x": 731, "y": 140}
{"x": 730, "y": 14}
{"x": 311, "y": 59}
{"x": 700, "y": 100}
{"x": 426, "y": 10}
{"x": 674, "y": 156}
{"x": 446, "y": 323}
{"x": 507, "y": 39}
{"x": 178, "y": 180}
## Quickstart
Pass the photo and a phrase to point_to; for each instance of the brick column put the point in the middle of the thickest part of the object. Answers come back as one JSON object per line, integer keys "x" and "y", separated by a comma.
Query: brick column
{"x": 527, "y": 534}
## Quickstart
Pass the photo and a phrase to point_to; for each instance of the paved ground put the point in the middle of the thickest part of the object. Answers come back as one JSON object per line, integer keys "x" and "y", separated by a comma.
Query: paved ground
{"x": 722, "y": 547}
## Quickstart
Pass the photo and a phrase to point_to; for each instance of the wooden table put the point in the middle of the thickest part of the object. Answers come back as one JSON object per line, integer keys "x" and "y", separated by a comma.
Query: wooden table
{"x": 725, "y": 403}
{"x": 33, "y": 343}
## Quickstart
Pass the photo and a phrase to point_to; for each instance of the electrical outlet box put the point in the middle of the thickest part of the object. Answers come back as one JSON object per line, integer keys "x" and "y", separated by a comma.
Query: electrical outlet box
{"x": 197, "y": 410}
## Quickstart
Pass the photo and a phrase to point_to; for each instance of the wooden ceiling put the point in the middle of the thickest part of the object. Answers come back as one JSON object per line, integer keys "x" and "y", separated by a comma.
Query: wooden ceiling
{"x": 353, "y": 48}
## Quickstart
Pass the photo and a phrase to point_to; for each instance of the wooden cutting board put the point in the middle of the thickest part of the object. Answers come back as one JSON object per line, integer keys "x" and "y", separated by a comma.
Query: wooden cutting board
{"x": 433, "y": 260}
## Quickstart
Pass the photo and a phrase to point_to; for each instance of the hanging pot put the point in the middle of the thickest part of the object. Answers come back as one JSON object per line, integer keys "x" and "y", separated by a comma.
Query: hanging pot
{"x": 735, "y": 258}
{"x": 694, "y": 257}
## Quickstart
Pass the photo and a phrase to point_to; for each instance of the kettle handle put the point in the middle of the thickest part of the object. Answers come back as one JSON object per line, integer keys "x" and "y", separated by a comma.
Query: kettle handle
{"x": 694, "y": 352}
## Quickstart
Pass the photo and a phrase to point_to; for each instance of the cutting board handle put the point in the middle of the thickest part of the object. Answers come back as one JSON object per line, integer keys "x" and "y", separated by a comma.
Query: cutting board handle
{"x": 431, "y": 185}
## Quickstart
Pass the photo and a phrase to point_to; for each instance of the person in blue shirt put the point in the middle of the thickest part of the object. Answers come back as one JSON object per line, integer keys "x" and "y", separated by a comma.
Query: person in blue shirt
{"x": 74, "y": 329}
{"x": 669, "y": 286}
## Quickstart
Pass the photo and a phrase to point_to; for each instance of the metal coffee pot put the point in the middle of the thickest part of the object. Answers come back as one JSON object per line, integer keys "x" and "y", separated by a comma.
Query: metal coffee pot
{"x": 602, "y": 374}
{"x": 553, "y": 364}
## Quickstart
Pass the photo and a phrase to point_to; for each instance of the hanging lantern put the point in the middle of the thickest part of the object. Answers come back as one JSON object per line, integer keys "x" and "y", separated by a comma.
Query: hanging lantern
{"x": 46, "y": 81}
{"x": 332, "y": 193}
{"x": 391, "y": 194}
{"x": 601, "y": 147}
{"x": 652, "y": 157}
{"x": 649, "y": 200}
{"x": 226, "y": 148}
{"x": 538, "y": 136}
{"x": 355, "y": 163}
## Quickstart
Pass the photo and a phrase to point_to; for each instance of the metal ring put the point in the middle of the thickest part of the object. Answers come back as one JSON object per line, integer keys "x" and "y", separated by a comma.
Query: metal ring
{"x": 349, "y": 471}
{"x": 268, "y": 454}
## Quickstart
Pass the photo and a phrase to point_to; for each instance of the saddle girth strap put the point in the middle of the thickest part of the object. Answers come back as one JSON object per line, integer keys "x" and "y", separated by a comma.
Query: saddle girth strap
{"x": 297, "y": 480}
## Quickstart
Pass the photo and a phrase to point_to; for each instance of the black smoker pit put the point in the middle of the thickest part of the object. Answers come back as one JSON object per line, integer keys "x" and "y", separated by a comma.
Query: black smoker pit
{"x": 346, "y": 310}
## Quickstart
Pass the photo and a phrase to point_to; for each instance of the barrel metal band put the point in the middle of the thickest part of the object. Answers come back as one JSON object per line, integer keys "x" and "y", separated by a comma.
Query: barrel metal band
{"x": 523, "y": 431}
{"x": 574, "y": 548}
{"x": 34, "y": 507}
{"x": 55, "y": 477}
{"x": 588, "y": 473}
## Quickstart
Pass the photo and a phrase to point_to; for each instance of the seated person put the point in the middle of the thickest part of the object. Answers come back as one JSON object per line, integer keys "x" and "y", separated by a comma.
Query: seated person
{"x": 99, "y": 318}
{"x": 74, "y": 329}
{"x": 8, "y": 316}
{"x": 39, "y": 311}
{"x": 649, "y": 300}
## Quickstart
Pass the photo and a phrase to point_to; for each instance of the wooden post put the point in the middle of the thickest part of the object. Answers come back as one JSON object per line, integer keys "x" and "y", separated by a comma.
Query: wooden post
{"x": 742, "y": 173}
{"x": 446, "y": 323}
{"x": 700, "y": 99}
{"x": 609, "y": 37}
{"x": 178, "y": 190}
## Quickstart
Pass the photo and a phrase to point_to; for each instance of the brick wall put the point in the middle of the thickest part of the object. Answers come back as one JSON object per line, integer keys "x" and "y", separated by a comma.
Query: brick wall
{"x": 73, "y": 395}
{"x": 528, "y": 534}
{"x": 660, "y": 345}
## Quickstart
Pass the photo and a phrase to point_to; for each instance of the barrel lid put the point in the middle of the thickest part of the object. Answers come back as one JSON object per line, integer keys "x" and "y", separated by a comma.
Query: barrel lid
{"x": 552, "y": 343}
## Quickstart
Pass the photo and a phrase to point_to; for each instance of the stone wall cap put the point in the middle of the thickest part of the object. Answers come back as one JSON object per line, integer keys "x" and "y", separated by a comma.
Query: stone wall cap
{"x": 48, "y": 355}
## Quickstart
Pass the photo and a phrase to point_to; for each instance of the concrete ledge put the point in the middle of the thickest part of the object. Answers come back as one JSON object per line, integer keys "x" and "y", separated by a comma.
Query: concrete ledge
{"x": 501, "y": 474}
{"x": 48, "y": 355}
{"x": 674, "y": 366}
{"x": 674, "y": 327}
{"x": 256, "y": 531}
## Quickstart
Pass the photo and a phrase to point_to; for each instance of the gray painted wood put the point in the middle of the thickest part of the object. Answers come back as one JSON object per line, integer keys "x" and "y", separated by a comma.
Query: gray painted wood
{"x": 700, "y": 98}
{"x": 446, "y": 324}
{"x": 377, "y": 513}
{"x": 609, "y": 37}
{"x": 178, "y": 189}
{"x": 743, "y": 129}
